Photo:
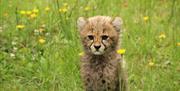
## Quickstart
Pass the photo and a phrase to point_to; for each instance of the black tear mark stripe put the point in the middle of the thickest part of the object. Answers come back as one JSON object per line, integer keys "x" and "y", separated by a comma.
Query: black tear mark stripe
{"x": 91, "y": 44}
{"x": 103, "y": 44}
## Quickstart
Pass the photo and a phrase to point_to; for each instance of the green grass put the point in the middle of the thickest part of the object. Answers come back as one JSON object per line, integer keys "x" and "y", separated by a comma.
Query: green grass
{"x": 28, "y": 65}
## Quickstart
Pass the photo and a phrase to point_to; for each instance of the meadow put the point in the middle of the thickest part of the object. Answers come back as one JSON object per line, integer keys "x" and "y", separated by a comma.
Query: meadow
{"x": 40, "y": 45}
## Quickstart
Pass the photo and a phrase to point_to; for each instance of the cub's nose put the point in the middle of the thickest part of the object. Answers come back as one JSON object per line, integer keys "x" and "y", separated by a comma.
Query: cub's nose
{"x": 97, "y": 46}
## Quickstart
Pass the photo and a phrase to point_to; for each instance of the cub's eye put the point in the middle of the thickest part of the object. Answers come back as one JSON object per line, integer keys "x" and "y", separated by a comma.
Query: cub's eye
{"x": 104, "y": 37}
{"x": 90, "y": 37}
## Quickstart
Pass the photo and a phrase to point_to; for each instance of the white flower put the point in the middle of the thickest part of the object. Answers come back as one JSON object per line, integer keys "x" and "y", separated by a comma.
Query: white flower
{"x": 14, "y": 43}
{"x": 15, "y": 48}
{"x": 12, "y": 55}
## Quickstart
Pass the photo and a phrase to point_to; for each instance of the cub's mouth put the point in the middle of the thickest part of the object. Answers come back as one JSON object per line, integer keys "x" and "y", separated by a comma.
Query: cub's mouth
{"x": 97, "y": 53}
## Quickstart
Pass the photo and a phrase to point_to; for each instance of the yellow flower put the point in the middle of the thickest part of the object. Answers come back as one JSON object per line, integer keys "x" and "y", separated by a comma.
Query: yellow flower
{"x": 81, "y": 54}
{"x": 151, "y": 64}
{"x": 35, "y": 10}
{"x": 20, "y": 26}
{"x": 22, "y": 12}
{"x": 162, "y": 36}
{"x": 87, "y": 8}
{"x": 28, "y": 12}
{"x": 63, "y": 10}
{"x": 121, "y": 51}
{"x": 146, "y": 18}
{"x": 41, "y": 40}
{"x": 47, "y": 9}
{"x": 178, "y": 44}
{"x": 33, "y": 15}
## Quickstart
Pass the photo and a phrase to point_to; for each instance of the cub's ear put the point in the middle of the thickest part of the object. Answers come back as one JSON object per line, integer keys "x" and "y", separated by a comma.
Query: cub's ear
{"x": 81, "y": 23}
{"x": 117, "y": 23}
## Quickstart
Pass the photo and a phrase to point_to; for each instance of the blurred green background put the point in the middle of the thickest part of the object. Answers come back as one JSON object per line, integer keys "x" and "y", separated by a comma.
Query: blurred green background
{"x": 40, "y": 46}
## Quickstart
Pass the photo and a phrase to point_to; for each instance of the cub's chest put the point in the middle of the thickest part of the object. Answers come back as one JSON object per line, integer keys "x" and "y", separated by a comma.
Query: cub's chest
{"x": 101, "y": 76}
{"x": 105, "y": 69}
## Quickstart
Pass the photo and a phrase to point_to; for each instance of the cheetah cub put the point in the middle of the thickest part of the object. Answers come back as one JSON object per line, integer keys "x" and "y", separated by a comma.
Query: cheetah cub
{"x": 101, "y": 67}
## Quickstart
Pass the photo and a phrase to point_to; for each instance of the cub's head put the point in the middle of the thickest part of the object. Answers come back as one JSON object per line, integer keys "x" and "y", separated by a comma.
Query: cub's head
{"x": 99, "y": 34}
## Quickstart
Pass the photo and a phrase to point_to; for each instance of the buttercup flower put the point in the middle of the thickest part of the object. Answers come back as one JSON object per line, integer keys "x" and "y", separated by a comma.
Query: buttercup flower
{"x": 35, "y": 10}
{"x": 41, "y": 40}
{"x": 146, "y": 18}
{"x": 28, "y": 12}
{"x": 87, "y": 8}
{"x": 20, "y": 26}
{"x": 22, "y": 12}
{"x": 151, "y": 64}
{"x": 33, "y": 15}
{"x": 178, "y": 44}
{"x": 47, "y": 9}
{"x": 63, "y": 10}
{"x": 121, "y": 51}
{"x": 162, "y": 36}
